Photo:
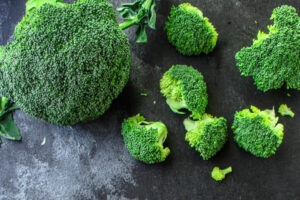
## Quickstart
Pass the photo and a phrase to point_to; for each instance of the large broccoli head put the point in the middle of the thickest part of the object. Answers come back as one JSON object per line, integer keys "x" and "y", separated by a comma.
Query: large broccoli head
{"x": 67, "y": 61}
{"x": 144, "y": 140}
{"x": 189, "y": 31}
{"x": 184, "y": 88}
{"x": 207, "y": 135}
{"x": 257, "y": 131}
{"x": 274, "y": 58}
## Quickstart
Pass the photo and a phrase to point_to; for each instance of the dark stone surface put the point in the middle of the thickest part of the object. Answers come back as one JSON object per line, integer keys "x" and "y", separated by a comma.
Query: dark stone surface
{"x": 89, "y": 160}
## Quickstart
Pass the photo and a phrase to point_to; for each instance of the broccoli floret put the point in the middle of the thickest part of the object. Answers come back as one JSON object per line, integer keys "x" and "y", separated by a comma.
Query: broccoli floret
{"x": 189, "y": 31}
{"x": 67, "y": 61}
{"x": 207, "y": 135}
{"x": 184, "y": 88}
{"x": 274, "y": 58}
{"x": 219, "y": 174}
{"x": 144, "y": 140}
{"x": 257, "y": 131}
{"x": 284, "y": 110}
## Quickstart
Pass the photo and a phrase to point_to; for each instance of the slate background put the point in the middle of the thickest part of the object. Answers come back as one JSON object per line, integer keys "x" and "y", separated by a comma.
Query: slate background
{"x": 89, "y": 160}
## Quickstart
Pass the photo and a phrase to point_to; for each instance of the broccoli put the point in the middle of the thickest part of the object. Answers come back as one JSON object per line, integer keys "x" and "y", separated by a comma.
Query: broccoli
{"x": 8, "y": 129}
{"x": 184, "y": 88}
{"x": 274, "y": 58}
{"x": 189, "y": 31}
{"x": 219, "y": 174}
{"x": 207, "y": 135}
{"x": 284, "y": 110}
{"x": 144, "y": 140}
{"x": 67, "y": 61}
{"x": 257, "y": 131}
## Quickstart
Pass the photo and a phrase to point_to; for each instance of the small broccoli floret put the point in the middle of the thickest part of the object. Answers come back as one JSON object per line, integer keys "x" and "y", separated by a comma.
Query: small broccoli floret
{"x": 284, "y": 110}
{"x": 67, "y": 62}
{"x": 257, "y": 131}
{"x": 219, "y": 174}
{"x": 274, "y": 58}
{"x": 189, "y": 31}
{"x": 184, "y": 88}
{"x": 144, "y": 140}
{"x": 207, "y": 135}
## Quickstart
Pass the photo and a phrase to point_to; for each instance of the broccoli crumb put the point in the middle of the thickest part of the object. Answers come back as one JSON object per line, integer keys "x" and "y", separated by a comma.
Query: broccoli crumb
{"x": 219, "y": 174}
{"x": 284, "y": 110}
{"x": 144, "y": 94}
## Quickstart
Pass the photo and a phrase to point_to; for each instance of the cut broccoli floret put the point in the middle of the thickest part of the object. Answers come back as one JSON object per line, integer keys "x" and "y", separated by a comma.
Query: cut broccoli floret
{"x": 207, "y": 135}
{"x": 274, "y": 58}
{"x": 144, "y": 140}
{"x": 219, "y": 174}
{"x": 284, "y": 110}
{"x": 67, "y": 62}
{"x": 257, "y": 131}
{"x": 184, "y": 88}
{"x": 189, "y": 31}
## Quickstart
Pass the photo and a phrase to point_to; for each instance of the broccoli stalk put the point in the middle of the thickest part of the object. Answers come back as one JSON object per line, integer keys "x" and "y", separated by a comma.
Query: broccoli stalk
{"x": 284, "y": 110}
{"x": 140, "y": 13}
{"x": 219, "y": 174}
{"x": 176, "y": 106}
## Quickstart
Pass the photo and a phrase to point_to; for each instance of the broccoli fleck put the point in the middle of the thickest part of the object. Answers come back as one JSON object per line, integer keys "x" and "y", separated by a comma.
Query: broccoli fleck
{"x": 144, "y": 140}
{"x": 219, "y": 174}
{"x": 189, "y": 31}
{"x": 284, "y": 110}
{"x": 274, "y": 58}
{"x": 257, "y": 131}
{"x": 207, "y": 135}
{"x": 67, "y": 61}
{"x": 184, "y": 88}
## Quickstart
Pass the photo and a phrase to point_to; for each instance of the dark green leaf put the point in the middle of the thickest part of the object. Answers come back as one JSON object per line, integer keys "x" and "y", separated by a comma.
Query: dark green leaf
{"x": 141, "y": 34}
{"x": 152, "y": 20}
{"x": 9, "y": 129}
{"x": 0, "y": 142}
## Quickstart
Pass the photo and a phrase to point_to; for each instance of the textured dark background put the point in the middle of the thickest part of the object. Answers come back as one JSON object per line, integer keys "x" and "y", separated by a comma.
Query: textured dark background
{"x": 89, "y": 160}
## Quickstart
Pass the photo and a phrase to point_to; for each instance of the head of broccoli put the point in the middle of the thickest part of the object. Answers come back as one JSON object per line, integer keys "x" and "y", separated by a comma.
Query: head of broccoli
{"x": 184, "y": 88}
{"x": 207, "y": 135}
{"x": 219, "y": 174}
{"x": 274, "y": 58}
{"x": 144, "y": 140}
{"x": 257, "y": 131}
{"x": 189, "y": 31}
{"x": 67, "y": 61}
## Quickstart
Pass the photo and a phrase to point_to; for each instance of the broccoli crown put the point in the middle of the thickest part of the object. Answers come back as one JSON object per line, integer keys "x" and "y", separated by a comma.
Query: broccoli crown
{"x": 207, "y": 135}
{"x": 184, "y": 88}
{"x": 189, "y": 31}
{"x": 219, "y": 174}
{"x": 284, "y": 110}
{"x": 257, "y": 131}
{"x": 67, "y": 61}
{"x": 144, "y": 140}
{"x": 274, "y": 58}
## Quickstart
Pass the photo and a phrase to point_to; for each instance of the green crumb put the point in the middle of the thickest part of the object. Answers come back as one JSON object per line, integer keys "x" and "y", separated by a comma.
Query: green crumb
{"x": 284, "y": 110}
{"x": 288, "y": 94}
{"x": 219, "y": 174}
{"x": 144, "y": 94}
{"x": 154, "y": 102}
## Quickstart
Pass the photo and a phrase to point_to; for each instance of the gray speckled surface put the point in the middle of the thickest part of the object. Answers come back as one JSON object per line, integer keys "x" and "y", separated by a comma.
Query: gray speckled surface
{"x": 90, "y": 161}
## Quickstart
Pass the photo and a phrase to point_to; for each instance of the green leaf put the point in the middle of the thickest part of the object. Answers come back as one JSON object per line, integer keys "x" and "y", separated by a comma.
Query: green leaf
{"x": 152, "y": 20}
{"x": 141, "y": 34}
{"x": 9, "y": 129}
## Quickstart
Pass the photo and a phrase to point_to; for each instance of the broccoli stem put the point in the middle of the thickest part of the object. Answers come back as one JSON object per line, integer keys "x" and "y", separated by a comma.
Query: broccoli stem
{"x": 227, "y": 170}
{"x": 176, "y": 105}
{"x": 137, "y": 18}
{"x": 189, "y": 124}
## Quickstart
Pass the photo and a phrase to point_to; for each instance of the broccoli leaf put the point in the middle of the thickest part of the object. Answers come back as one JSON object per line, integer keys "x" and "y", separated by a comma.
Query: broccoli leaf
{"x": 8, "y": 128}
{"x": 141, "y": 13}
